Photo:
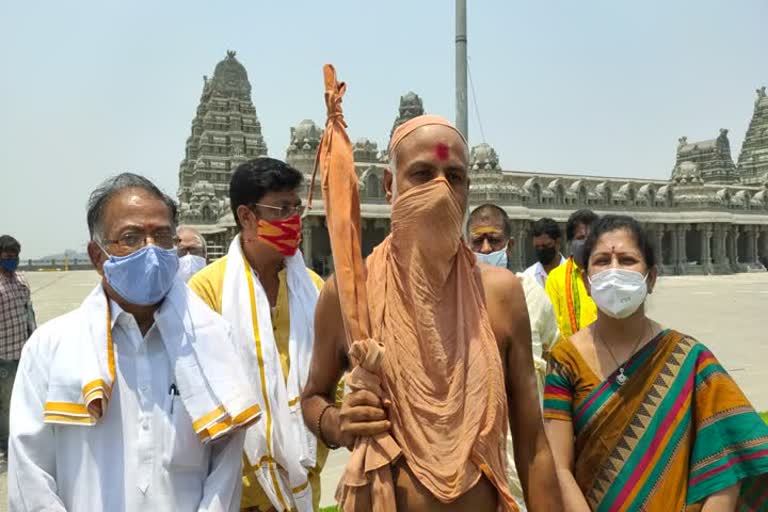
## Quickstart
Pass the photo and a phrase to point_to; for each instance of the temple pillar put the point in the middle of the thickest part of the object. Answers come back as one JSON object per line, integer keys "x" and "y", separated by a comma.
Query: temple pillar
{"x": 705, "y": 231}
{"x": 659, "y": 246}
{"x": 675, "y": 247}
{"x": 681, "y": 262}
{"x": 719, "y": 245}
{"x": 306, "y": 240}
{"x": 755, "y": 232}
{"x": 735, "y": 234}
{"x": 764, "y": 237}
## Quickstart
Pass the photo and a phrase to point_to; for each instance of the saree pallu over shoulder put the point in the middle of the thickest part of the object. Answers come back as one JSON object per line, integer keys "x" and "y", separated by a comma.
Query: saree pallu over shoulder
{"x": 678, "y": 431}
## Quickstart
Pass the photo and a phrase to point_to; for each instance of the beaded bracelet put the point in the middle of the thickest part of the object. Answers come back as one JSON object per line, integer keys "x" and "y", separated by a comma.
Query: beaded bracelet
{"x": 320, "y": 428}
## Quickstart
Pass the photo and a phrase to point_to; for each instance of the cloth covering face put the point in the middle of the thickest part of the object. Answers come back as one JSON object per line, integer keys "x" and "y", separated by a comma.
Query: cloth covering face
{"x": 418, "y": 333}
{"x": 441, "y": 366}
{"x": 281, "y": 448}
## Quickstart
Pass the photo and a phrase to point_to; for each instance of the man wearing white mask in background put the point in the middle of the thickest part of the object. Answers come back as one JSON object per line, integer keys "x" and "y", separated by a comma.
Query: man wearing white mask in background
{"x": 137, "y": 400}
{"x": 490, "y": 236}
{"x": 192, "y": 252}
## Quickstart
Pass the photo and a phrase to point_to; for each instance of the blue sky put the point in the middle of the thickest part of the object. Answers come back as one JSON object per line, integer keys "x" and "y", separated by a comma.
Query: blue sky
{"x": 91, "y": 88}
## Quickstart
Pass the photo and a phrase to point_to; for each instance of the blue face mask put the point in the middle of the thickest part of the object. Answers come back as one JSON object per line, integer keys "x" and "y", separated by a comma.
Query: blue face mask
{"x": 9, "y": 264}
{"x": 144, "y": 277}
{"x": 496, "y": 259}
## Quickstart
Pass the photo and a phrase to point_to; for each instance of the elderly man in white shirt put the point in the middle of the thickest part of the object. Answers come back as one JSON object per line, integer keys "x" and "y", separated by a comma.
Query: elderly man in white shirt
{"x": 489, "y": 235}
{"x": 546, "y": 245}
{"x": 136, "y": 400}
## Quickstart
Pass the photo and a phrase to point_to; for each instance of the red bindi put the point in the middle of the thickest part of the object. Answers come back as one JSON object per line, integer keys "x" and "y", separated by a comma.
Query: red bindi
{"x": 441, "y": 151}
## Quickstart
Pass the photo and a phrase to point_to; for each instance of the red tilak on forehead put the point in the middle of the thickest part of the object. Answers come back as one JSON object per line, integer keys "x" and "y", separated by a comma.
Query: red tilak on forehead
{"x": 441, "y": 151}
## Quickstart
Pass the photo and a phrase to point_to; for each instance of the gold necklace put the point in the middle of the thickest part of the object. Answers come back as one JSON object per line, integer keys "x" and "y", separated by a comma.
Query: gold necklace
{"x": 621, "y": 378}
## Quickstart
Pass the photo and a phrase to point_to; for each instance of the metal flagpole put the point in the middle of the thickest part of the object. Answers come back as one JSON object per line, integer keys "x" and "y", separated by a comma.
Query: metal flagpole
{"x": 461, "y": 68}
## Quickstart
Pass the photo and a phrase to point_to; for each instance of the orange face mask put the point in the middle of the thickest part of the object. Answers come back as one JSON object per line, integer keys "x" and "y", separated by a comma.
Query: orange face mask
{"x": 284, "y": 236}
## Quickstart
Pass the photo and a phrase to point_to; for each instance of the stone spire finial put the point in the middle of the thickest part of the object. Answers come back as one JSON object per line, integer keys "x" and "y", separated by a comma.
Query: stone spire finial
{"x": 483, "y": 158}
{"x": 230, "y": 77}
{"x": 305, "y": 137}
{"x": 411, "y": 106}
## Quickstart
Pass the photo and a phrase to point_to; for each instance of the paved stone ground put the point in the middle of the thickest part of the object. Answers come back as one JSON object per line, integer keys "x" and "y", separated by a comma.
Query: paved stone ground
{"x": 727, "y": 313}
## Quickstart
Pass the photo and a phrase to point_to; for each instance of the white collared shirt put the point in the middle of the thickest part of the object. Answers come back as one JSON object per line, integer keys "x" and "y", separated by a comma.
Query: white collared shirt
{"x": 537, "y": 271}
{"x": 143, "y": 455}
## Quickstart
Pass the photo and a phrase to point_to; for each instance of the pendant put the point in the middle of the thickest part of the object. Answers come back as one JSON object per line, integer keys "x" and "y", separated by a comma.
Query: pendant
{"x": 621, "y": 378}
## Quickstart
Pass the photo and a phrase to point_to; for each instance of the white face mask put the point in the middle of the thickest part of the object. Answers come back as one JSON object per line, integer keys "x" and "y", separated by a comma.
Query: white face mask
{"x": 496, "y": 259}
{"x": 190, "y": 265}
{"x": 618, "y": 292}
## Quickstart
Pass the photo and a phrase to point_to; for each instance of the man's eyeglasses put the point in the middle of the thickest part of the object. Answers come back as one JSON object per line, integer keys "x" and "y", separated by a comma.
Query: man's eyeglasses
{"x": 283, "y": 212}
{"x": 132, "y": 241}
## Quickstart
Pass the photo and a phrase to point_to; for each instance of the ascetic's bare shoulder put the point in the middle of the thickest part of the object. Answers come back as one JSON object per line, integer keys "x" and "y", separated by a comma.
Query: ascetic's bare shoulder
{"x": 501, "y": 286}
{"x": 504, "y": 300}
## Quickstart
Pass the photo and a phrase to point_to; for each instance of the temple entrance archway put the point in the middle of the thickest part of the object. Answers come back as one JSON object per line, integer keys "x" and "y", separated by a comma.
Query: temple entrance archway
{"x": 693, "y": 247}
{"x": 742, "y": 248}
{"x": 206, "y": 213}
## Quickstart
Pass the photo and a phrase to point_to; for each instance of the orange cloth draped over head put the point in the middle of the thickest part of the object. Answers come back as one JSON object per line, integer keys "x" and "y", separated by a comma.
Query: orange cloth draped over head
{"x": 435, "y": 357}
{"x": 417, "y": 122}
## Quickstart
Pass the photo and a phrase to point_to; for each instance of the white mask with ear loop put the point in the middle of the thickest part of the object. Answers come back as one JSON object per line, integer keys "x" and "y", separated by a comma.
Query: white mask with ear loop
{"x": 618, "y": 292}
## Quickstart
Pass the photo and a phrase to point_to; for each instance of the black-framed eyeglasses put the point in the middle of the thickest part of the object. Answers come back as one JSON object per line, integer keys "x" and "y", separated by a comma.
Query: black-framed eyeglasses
{"x": 283, "y": 212}
{"x": 134, "y": 240}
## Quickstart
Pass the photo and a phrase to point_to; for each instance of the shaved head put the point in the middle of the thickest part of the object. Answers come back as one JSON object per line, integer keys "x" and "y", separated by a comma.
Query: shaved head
{"x": 490, "y": 214}
{"x": 489, "y": 229}
{"x": 426, "y": 153}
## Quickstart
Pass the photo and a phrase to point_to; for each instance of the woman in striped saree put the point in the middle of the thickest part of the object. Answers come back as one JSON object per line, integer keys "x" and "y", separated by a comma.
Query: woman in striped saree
{"x": 642, "y": 418}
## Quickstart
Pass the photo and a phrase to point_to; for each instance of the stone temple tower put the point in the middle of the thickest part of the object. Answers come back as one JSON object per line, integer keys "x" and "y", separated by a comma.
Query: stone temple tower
{"x": 753, "y": 159}
{"x": 225, "y": 133}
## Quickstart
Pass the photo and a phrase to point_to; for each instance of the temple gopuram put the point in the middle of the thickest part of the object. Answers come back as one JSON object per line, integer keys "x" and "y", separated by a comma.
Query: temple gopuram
{"x": 709, "y": 217}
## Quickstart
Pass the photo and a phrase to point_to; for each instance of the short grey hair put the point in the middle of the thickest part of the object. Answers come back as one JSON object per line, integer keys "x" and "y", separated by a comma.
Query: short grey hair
{"x": 110, "y": 187}
{"x": 184, "y": 227}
